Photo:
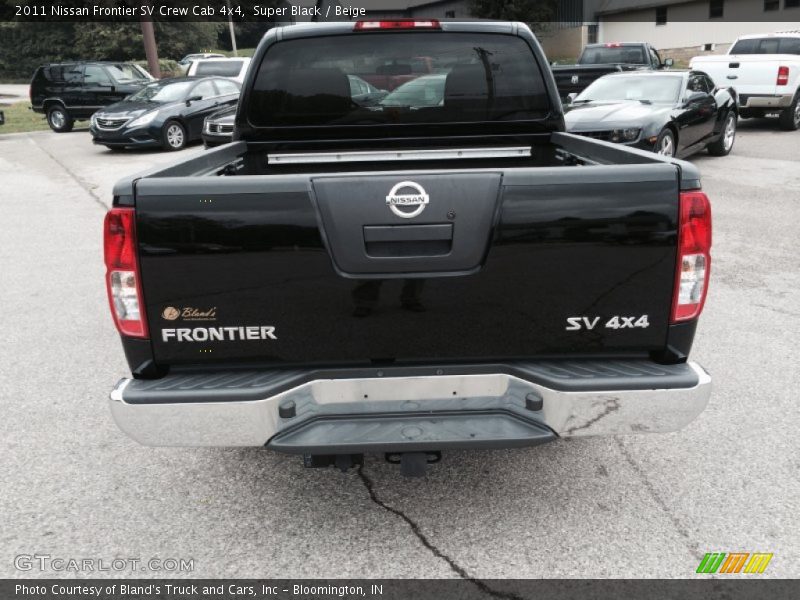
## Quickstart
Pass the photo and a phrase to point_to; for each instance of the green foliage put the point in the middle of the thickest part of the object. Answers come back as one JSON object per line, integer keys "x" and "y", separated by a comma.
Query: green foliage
{"x": 123, "y": 41}
{"x": 528, "y": 11}
{"x": 25, "y": 46}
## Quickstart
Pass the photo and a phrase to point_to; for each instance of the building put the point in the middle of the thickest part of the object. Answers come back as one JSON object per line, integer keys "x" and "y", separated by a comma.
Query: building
{"x": 686, "y": 28}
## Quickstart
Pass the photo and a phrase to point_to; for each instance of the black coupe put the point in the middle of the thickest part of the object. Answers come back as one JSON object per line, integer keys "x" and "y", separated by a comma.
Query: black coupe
{"x": 675, "y": 113}
{"x": 167, "y": 113}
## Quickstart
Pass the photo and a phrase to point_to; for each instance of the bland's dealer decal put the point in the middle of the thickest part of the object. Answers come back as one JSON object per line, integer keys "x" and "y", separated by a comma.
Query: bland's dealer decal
{"x": 210, "y": 334}
{"x": 189, "y": 313}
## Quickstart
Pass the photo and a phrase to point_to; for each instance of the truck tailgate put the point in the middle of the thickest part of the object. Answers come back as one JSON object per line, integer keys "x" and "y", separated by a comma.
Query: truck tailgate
{"x": 749, "y": 73}
{"x": 303, "y": 269}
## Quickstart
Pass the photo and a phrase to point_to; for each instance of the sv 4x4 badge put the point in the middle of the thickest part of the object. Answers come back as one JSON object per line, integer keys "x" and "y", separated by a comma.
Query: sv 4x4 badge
{"x": 617, "y": 322}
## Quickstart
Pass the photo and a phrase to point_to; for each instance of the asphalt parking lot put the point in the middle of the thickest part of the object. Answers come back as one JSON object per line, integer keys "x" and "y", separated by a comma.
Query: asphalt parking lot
{"x": 650, "y": 506}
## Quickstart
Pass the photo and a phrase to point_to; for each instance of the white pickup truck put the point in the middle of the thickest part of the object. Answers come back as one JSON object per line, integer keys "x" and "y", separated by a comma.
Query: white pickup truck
{"x": 765, "y": 72}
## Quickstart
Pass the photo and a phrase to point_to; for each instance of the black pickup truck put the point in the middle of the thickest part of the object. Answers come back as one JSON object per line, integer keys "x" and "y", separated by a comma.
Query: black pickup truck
{"x": 597, "y": 60}
{"x": 452, "y": 272}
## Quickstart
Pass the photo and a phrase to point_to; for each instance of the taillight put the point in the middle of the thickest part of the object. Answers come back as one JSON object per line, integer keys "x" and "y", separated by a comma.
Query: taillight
{"x": 613, "y": 45}
{"x": 694, "y": 259}
{"x": 397, "y": 24}
{"x": 122, "y": 272}
{"x": 783, "y": 76}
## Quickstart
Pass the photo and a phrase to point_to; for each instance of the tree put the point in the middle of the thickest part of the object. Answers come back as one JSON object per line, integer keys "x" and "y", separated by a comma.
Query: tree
{"x": 123, "y": 41}
{"x": 528, "y": 11}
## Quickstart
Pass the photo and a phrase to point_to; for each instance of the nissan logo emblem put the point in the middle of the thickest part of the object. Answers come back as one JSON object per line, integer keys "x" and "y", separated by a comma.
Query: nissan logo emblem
{"x": 414, "y": 197}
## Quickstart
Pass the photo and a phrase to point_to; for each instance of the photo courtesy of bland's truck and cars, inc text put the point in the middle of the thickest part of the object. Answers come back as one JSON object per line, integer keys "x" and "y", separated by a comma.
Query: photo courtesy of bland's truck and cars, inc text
{"x": 391, "y": 298}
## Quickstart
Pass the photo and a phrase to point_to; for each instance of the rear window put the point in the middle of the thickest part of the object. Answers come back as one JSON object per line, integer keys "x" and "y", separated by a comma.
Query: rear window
{"x": 222, "y": 68}
{"x": 770, "y": 45}
{"x": 418, "y": 78}
{"x": 605, "y": 55}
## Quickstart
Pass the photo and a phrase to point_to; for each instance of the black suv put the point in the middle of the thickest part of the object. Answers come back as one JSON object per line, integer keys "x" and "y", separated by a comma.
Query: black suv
{"x": 67, "y": 92}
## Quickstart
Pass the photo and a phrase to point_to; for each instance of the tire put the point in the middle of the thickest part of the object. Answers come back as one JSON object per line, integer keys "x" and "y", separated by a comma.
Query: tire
{"x": 59, "y": 120}
{"x": 790, "y": 117}
{"x": 724, "y": 144}
{"x": 173, "y": 136}
{"x": 666, "y": 143}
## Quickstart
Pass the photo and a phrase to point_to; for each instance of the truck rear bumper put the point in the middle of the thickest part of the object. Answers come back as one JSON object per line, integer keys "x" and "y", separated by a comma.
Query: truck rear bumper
{"x": 397, "y": 410}
{"x": 758, "y": 101}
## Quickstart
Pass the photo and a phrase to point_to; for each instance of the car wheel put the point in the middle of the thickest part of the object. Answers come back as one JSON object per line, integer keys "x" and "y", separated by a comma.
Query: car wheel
{"x": 665, "y": 144}
{"x": 174, "y": 136}
{"x": 59, "y": 120}
{"x": 790, "y": 117}
{"x": 724, "y": 145}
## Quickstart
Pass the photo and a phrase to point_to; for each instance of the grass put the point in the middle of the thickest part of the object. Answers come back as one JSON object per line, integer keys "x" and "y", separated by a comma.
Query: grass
{"x": 20, "y": 118}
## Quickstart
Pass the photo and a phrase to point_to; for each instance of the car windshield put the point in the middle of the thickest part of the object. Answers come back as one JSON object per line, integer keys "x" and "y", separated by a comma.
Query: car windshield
{"x": 123, "y": 72}
{"x": 422, "y": 92}
{"x": 659, "y": 89}
{"x": 162, "y": 92}
{"x": 222, "y": 68}
{"x": 606, "y": 55}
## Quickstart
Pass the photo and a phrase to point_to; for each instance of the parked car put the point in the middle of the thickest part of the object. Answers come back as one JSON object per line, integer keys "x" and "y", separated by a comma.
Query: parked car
{"x": 364, "y": 93}
{"x": 167, "y": 113}
{"x": 72, "y": 91}
{"x": 233, "y": 68}
{"x": 597, "y": 60}
{"x": 765, "y": 72}
{"x": 406, "y": 278}
{"x": 424, "y": 91}
{"x": 675, "y": 113}
{"x": 189, "y": 58}
{"x": 218, "y": 127}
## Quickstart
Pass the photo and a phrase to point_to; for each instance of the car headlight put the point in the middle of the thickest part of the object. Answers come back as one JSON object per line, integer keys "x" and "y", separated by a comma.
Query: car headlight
{"x": 93, "y": 120}
{"x": 144, "y": 119}
{"x": 625, "y": 135}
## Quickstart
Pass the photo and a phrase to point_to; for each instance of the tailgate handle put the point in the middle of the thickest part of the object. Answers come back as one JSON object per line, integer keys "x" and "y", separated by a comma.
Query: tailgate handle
{"x": 407, "y": 233}
{"x": 734, "y": 65}
{"x": 393, "y": 241}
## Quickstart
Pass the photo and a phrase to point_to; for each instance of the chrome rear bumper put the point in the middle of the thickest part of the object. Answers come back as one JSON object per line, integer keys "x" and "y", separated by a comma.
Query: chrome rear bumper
{"x": 381, "y": 412}
{"x": 755, "y": 101}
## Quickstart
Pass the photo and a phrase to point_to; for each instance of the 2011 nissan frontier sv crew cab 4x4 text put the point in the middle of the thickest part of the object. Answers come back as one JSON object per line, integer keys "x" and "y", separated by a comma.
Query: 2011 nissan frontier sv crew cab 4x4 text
{"x": 440, "y": 268}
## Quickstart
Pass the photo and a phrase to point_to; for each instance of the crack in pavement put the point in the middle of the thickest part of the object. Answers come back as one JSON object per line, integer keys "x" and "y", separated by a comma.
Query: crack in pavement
{"x": 85, "y": 185}
{"x": 679, "y": 527}
{"x": 417, "y": 531}
{"x": 611, "y": 406}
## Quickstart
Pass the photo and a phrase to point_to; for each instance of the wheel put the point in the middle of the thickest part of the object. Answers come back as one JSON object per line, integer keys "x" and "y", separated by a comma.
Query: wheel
{"x": 58, "y": 119}
{"x": 665, "y": 144}
{"x": 724, "y": 143}
{"x": 174, "y": 137}
{"x": 790, "y": 117}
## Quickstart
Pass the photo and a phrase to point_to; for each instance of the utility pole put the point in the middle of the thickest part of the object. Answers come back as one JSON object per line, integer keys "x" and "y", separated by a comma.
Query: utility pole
{"x": 150, "y": 50}
{"x": 230, "y": 27}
